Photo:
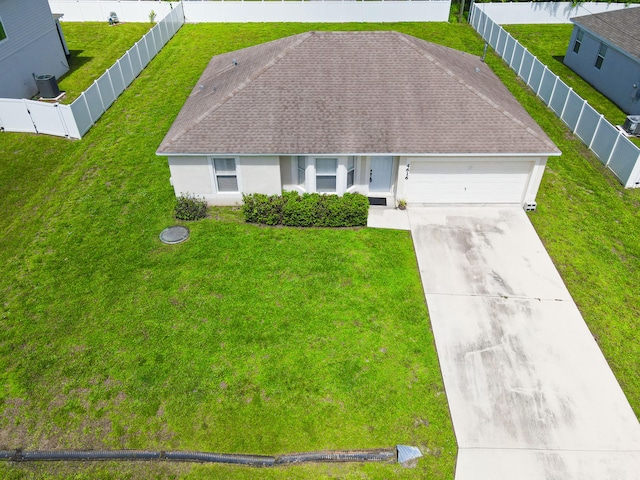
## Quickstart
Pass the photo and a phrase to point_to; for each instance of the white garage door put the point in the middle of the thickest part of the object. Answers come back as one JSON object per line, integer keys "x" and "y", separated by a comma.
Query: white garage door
{"x": 454, "y": 181}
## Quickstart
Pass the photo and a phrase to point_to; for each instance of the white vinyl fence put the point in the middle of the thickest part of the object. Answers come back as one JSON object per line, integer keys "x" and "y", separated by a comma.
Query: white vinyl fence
{"x": 505, "y": 13}
{"x": 73, "y": 121}
{"x": 260, "y": 11}
{"x": 613, "y": 149}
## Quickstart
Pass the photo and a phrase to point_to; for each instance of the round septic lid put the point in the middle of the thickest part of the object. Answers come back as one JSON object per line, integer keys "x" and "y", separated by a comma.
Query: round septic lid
{"x": 175, "y": 234}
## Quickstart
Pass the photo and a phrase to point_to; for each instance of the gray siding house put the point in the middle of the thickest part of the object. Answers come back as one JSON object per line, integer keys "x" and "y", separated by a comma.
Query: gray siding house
{"x": 605, "y": 50}
{"x": 30, "y": 42}
{"x": 383, "y": 114}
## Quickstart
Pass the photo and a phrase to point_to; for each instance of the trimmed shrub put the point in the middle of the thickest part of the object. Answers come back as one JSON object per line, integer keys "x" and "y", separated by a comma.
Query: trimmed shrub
{"x": 308, "y": 210}
{"x": 189, "y": 207}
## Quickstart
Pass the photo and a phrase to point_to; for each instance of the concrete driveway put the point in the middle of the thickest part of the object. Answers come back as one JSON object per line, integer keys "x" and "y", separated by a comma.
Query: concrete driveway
{"x": 530, "y": 393}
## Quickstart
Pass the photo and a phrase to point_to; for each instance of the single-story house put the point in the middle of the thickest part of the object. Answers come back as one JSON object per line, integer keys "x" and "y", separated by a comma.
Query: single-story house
{"x": 31, "y": 42}
{"x": 380, "y": 113}
{"x": 605, "y": 50}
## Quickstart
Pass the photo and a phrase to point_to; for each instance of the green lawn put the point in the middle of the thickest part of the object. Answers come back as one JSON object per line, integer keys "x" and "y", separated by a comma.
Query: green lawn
{"x": 243, "y": 339}
{"x": 549, "y": 43}
{"x": 94, "y": 47}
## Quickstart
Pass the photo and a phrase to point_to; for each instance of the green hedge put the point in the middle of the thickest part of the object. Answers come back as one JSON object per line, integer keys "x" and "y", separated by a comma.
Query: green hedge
{"x": 308, "y": 210}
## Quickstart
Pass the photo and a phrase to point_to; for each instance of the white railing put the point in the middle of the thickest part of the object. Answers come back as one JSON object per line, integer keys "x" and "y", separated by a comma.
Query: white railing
{"x": 610, "y": 145}
{"x": 198, "y": 11}
{"x": 73, "y": 121}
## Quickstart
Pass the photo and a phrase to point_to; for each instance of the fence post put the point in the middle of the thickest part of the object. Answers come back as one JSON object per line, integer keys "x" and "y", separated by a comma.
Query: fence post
{"x": 100, "y": 95}
{"x": 26, "y": 106}
{"x": 513, "y": 52}
{"x": 595, "y": 132}
{"x": 541, "y": 79}
{"x": 124, "y": 82}
{"x": 108, "y": 72}
{"x": 62, "y": 122}
{"x": 584, "y": 102}
{"x": 553, "y": 90}
{"x": 634, "y": 177}
{"x": 566, "y": 100}
{"x": 86, "y": 104}
{"x": 613, "y": 149}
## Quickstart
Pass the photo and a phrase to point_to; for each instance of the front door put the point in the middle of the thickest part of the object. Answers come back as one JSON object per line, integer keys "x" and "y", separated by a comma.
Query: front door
{"x": 380, "y": 174}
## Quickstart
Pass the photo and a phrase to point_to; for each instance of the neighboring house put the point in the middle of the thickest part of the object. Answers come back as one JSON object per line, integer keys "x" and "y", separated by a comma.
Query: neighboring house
{"x": 31, "y": 42}
{"x": 380, "y": 113}
{"x": 605, "y": 50}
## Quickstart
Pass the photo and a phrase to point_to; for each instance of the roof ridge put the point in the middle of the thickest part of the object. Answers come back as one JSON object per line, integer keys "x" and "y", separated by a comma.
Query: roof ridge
{"x": 303, "y": 36}
{"x": 475, "y": 91}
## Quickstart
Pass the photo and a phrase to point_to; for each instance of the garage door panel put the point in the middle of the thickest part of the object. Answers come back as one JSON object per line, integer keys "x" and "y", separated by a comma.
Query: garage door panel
{"x": 467, "y": 181}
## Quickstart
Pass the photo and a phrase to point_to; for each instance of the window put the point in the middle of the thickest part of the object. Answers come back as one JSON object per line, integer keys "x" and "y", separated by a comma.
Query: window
{"x": 351, "y": 171}
{"x": 302, "y": 165}
{"x": 576, "y": 45}
{"x": 326, "y": 173}
{"x": 601, "y": 53}
{"x": 3, "y": 35}
{"x": 225, "y": 174}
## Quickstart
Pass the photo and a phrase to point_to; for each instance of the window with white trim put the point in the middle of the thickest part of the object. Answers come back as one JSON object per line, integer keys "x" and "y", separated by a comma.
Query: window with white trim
{"x": 3, "y": 34}
{"x": 602, "y": 51}
{"x": 351, "y": 171}
{"x": 578, "y": 42}
{"x": 224, "y": 170}
{"x": 302, "y": 166}
{"x": 326, "y": 175}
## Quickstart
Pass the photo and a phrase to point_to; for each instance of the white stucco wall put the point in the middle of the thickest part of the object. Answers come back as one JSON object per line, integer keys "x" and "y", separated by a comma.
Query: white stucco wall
{"x": 195, "y": 175}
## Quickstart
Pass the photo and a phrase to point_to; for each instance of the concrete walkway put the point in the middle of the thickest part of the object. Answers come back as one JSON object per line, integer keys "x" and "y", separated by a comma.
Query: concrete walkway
{"x": 530, "y": 393}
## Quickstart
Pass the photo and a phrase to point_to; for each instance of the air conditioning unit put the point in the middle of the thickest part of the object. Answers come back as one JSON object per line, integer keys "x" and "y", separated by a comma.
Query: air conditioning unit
{"x": 632, "y": 125}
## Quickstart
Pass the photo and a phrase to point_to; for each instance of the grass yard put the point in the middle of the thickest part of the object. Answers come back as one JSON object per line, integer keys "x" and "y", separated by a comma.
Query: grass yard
{"x": 549, "y": 43}
{"x": 243, "y": 339}
{"x": 249, "y": 339}
{"x": 94, "y": 47}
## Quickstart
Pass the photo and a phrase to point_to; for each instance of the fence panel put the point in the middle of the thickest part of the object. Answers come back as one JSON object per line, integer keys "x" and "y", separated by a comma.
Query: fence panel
{"x": 493, "y": 35}
{"x": 82, "y": 114}
{"x": 94, "y": 102}
{"x": 587, "y": 124}
{"x": 136, "y": 63}
{"x": 604, "y": 141}
{"x": 624, "y": 157}
{"x": 143, "y": 49}
{"x": 14, "y": 116}
{"x": 526, "y": 66}
{"x": 164, "y": 31}
{"x": 46, "y": 118}
{"x": 152, "y": 42}
{"x": 107, "y": 94}
{"x": 559, "y": 97}
{"x": 66, "y": 114}
{"x": 502, "y": 38}
{"x": 572, "y": 110}
{"x": 117, "y": 79}
{"x": 509, "y": 50}
{"x": 546, "y": 86}
{"x": 537, "y": 71}
{"x": 517, "y": 56}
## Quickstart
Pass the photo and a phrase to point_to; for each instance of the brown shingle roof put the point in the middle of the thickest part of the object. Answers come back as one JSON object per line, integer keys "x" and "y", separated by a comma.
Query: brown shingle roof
{"x": 619, "y": 27}
{"x": 351, "y": 92}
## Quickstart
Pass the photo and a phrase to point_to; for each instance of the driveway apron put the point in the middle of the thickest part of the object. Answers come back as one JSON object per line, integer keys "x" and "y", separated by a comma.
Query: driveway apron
{"x": 530, "y": 393}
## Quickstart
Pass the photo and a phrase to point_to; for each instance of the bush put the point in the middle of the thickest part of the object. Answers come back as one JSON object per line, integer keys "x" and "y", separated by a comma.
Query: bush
{"x": 190, "y": 207}
{"x": 308, "y": 210}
